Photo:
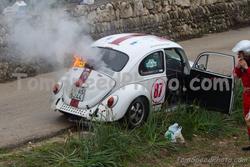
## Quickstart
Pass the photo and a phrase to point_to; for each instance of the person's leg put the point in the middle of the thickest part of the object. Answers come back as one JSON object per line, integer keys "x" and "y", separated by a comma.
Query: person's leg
{"x": 246, "y": 108}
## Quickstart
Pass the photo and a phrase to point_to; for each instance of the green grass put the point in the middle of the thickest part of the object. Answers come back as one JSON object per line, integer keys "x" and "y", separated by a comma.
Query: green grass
{"x": 195, "y": 120}
{"x": 2, "y": 151}
{"x": 112, "y": 145}
{"x": 238, "y": 110}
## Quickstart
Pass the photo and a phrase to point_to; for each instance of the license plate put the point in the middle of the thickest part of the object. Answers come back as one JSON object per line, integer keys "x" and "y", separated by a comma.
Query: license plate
{"x": 78, "y": 93}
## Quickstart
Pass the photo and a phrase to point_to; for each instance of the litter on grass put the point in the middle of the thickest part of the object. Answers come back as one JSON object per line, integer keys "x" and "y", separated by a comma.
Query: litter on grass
{"x": 174, "y": 135}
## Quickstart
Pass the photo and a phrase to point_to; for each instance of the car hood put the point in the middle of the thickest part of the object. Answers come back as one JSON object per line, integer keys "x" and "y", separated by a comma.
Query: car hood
{"x": 85, "y": 88}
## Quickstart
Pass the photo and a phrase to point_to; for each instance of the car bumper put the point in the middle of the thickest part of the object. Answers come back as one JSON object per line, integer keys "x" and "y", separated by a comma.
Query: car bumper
{"x": 96, "y": 113}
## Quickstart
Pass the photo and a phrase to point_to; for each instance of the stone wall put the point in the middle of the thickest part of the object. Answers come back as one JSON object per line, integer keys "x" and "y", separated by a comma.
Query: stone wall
{"x": 11, "y": 61}
{"x": 3, "y": 35}
{"x": 178, "y": 19}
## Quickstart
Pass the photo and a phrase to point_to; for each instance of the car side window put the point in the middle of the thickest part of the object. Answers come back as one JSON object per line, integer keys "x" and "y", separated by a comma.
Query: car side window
{"x": 173, "y": 59}
{"x": 202, "y": 63}
{"x": 211, "y": 62}
{"x": 152, "y": 64}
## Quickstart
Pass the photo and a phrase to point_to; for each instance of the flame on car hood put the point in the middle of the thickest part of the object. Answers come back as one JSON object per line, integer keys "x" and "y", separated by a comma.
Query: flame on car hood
{"x": 78, "y": 61}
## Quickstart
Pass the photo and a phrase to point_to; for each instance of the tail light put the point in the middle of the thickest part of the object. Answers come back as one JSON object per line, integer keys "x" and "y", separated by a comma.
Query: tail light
{"x": 112, "y": 101}
{"x": 57, "y": 88}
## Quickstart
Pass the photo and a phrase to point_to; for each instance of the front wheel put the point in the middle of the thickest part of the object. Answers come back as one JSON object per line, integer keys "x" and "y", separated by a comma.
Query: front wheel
{"x": 137, "y": 113}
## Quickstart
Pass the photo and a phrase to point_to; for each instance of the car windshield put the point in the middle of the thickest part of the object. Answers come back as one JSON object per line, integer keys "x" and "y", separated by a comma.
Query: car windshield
{"x": 113, "y": 59}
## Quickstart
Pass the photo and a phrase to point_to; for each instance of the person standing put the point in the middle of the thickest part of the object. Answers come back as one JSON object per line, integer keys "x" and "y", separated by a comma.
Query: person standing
{"x": 242, "y": 71}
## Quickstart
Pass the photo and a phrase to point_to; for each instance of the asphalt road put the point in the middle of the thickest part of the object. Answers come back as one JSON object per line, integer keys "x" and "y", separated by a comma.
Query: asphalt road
{"x": 24, "y": 105}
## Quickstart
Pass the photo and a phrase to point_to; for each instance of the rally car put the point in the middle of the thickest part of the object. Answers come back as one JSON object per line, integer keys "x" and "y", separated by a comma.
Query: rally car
{"x": 138, "y": 73}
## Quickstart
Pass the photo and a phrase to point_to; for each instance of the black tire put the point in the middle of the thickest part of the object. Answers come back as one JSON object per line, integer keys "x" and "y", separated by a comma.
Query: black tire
{"x": 137, "y": 113}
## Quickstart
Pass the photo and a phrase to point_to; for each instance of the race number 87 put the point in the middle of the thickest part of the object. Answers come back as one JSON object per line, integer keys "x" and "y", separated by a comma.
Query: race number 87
{"x": 158, "y": 90}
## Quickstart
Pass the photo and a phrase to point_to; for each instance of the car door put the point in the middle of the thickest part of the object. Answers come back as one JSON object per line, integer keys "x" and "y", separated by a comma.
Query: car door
{"x": 211, "y": 82}
{"x": 175, "y": 75}
{"x": 152, "y": 76}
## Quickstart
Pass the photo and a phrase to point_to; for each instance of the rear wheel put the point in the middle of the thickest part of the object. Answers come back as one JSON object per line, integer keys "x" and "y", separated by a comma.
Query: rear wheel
{"x": 137, "y": 113}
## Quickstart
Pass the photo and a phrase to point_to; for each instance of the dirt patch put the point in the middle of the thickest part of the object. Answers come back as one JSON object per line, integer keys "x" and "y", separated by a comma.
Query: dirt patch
{"x": 202, "y": 151}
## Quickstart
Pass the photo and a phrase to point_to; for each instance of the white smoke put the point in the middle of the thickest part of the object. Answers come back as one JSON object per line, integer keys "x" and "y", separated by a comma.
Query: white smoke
{"x": 49, "y": 32}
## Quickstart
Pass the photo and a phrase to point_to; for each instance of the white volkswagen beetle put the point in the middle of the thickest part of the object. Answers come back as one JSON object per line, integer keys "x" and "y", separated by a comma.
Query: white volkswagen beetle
{"x": 138, "y": 73}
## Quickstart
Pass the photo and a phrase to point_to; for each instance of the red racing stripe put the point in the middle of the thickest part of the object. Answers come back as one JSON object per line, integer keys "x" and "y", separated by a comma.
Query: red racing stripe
{"x": 120, "y": 40}
{"x": 84, "y": 76}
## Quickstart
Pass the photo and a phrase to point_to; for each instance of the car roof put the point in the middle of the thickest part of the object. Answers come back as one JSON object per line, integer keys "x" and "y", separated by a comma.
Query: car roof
{"x": 135, "y": 45}
{"x": 131, "y": 43}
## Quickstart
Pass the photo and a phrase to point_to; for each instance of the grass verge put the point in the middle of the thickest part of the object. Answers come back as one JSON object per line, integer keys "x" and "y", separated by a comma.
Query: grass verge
{"x": 111, "y": 145}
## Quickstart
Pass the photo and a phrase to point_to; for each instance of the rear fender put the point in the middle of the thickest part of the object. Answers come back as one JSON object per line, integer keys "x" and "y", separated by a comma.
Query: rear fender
{"x": 126, "y": 95}
{"x": 55, "y": 97}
